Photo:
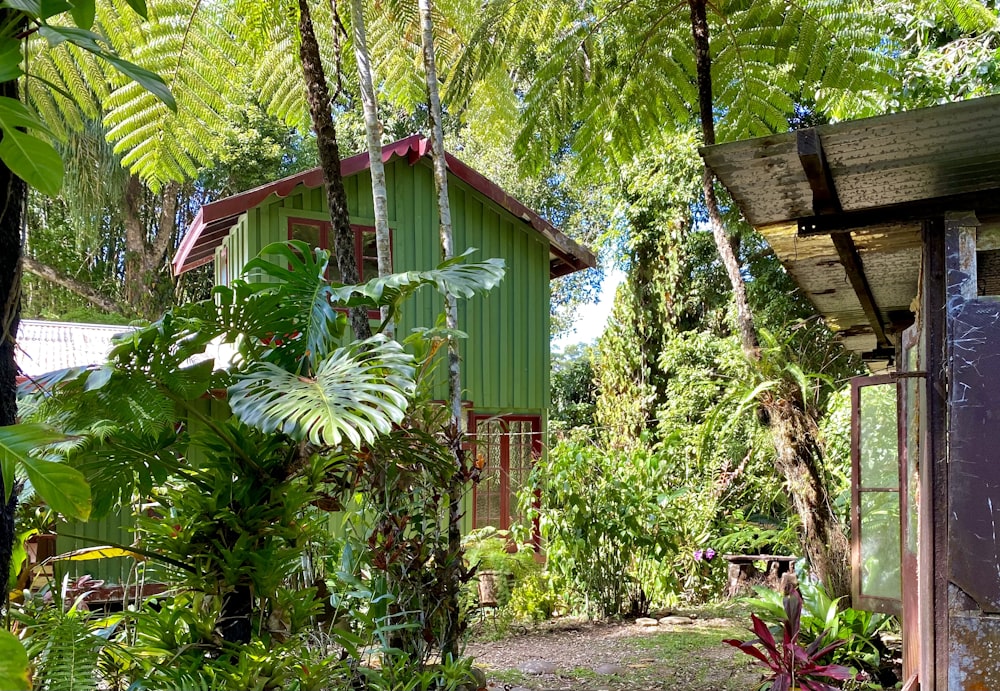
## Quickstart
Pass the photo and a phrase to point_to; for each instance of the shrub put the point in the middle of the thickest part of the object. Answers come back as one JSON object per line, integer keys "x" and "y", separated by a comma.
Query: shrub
{"x": 608, "y": 526}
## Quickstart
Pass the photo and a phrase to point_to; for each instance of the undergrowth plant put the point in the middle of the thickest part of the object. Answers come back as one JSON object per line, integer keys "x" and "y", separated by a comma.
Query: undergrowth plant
{"x": 791, "y": 664}
{"x": 239, "y": 465}
{"x": 856, "y": 633}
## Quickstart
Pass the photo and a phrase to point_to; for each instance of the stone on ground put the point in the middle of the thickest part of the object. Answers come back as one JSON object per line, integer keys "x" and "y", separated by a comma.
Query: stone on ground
{"x": 609, "y": 669}
{"x": 537, "y": 667}
{"x": 675, "y": 621}
{"x": 646, "y": 621}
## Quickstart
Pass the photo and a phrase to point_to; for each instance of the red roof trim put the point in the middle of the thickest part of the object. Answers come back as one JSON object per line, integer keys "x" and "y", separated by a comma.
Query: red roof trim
{"x": 203, "y": 236}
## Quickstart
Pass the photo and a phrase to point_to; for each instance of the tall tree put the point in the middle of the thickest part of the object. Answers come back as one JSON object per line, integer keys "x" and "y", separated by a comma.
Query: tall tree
{"x": 373, "y": 132}
{"x": 457, "y": 432}
{"x": 616, "y": 74}
{"x": 24, "y": 158}
{"x": 318, "y": 96}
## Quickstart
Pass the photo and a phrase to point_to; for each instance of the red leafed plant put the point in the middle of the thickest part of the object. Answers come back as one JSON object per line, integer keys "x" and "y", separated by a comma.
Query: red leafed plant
{"x": 793, "y": 666}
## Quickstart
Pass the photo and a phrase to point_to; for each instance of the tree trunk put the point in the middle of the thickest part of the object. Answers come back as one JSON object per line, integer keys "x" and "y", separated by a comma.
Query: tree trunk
{"x": 373, "y": 131}
{"x": 822, "y": 535}
{"x": 145, "y": 259}
{"x": 456, "y": 488}
{"x": 318, "y": 96}
{"x": 799, "y": 459}
{"x": 75, "y": 286}
{"x": 13, "y": 194}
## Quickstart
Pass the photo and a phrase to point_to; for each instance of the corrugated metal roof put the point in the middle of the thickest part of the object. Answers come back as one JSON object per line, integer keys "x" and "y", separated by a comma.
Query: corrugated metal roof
{"x": 47, "y": 346}
{"x": 44, "y": 346}
{"x": 888, "y": 173}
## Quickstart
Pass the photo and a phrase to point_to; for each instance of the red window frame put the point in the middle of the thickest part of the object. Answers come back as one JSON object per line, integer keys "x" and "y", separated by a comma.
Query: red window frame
{"x": 506, "y": 494}
{"x": 324, "y": 243}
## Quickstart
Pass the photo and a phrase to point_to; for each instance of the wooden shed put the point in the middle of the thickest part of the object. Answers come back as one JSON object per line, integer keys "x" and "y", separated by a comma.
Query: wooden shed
{"x": 891, "y": 226}
{"x": 505, "y": 370}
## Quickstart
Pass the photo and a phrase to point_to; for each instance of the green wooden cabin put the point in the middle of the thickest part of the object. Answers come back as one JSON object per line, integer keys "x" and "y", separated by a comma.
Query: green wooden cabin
{"x": 505, "y": 360}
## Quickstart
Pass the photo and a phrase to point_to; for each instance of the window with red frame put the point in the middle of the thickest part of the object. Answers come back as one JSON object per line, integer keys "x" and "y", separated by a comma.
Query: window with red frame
{"x": 317, "y": 234}
{"x": 505, "y": 450}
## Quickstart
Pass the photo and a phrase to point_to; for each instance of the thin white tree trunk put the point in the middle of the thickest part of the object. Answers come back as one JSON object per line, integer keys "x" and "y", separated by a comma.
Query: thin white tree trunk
{"x": 373, "y": 130}
{"x": 449, "y": 646}
{"x": 444, "y": 208}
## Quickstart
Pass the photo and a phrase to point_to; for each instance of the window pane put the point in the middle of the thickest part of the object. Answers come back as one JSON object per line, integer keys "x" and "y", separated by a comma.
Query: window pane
{"x": 520, "y": 462}
{"x": 880, "y": 553}
{"x": 879, "y": 441}
{"x": 306, "y": 232}
{"x": 488, "y": 458}
{"x": 369, "y": 256}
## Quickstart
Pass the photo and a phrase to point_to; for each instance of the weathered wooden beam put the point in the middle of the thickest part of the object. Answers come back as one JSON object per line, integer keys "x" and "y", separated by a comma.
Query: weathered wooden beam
{"x": 851, "y": 260}
{"x": 827, "y": 203}
{"x": 810, "y": 149}
{"x": 983, "y": 203}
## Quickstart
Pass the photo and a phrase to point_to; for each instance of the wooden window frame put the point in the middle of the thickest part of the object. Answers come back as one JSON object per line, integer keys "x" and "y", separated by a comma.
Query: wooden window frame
{"x": 325, "y": 229}
{"x": 504, "y": 489}
{"x": 860, "y": 600}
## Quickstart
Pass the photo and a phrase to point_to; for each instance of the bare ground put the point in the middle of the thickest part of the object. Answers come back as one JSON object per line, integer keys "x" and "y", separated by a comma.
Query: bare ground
{"x": 688, "y": 657}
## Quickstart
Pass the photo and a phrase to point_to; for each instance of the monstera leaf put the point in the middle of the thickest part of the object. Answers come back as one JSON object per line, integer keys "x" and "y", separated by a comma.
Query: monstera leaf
{"x": 358, "y": 392}
{"x": 297, "y": 279}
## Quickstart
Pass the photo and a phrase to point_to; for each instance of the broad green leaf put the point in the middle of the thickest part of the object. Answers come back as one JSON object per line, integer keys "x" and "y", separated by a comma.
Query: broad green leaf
{"x": 13, "y": 663}
{"x": 10, "y": 60}
{"x": 32, "y": 7}
{"x": 298, "y": 274}
{"x": 83, "y": 13}
{"x": 14, "y": 114}
{"x": 452, "y": 277}
{"x": 62, "y": 487}
{"x": 16, "y": 442}
{"x": 358, "y": 392}
{"x": 50, "y": 8}
{"x": 98, "y": 378}
{"x": 33, "y": 160}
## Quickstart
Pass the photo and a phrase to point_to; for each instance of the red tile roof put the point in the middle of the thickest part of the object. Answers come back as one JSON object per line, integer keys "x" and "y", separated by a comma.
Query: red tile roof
{"x": 215, "y": 220}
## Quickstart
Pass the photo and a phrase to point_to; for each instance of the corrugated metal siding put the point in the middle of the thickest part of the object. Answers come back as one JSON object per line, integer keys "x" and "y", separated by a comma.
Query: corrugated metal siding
{"x": 116, "y": 527}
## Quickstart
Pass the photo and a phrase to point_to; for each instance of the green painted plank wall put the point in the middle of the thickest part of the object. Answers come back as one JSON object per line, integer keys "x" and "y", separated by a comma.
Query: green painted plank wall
{"x": 506, "y": 357}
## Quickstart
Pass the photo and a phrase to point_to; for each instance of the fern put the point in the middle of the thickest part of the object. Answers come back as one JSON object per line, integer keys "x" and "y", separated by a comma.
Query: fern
{"x": 69, "y": 658}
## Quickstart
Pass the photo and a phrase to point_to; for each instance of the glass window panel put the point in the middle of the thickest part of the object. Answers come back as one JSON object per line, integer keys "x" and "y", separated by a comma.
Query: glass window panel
{"x": 880, "y": 553}
{"x": 879, "y": 440}
{"x": 308, "y": 233}
{"x": 369, "y": 256}
{"x": 489, "y": 487}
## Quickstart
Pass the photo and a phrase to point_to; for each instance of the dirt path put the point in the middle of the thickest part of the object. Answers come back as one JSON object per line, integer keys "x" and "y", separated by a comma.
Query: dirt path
{"x": 578, "y": 656}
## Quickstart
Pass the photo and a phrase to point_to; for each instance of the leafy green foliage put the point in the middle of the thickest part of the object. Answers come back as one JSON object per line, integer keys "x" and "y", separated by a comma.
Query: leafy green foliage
{"x": 62, "y": 486}
{"x": 358, "y": 392}
{"x": 611, "y": 78}
{"x": 609, "y": 524}
{"x": 825, "y": 621}
{"x": 573, "y": 390}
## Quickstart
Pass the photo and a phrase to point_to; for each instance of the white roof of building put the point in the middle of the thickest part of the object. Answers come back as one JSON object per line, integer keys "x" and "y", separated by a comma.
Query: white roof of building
{"x": 44, "y": 346}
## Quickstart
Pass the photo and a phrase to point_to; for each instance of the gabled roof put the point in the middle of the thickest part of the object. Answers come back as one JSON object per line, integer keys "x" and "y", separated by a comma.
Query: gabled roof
{"x": 842, "y": 204}
{"x": 215, "y": 220}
